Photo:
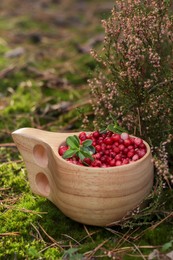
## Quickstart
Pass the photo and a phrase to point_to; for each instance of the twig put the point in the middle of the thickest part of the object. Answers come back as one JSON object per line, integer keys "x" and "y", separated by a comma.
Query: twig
{"x": 9, "y": 234}
{"x": 52, "y": 245}
{"x": 161, "y": 221}
{"x": 161, "y": 84}
{"x": 89, "y": 235}
{"x": 50, "y": 238}
{"x": 25, "y": 210}
{"x": 137, "y": 248}
{"x": 91, "y": 253}
{"x": 37, "y": 231}
{"x": 71, "y": 238}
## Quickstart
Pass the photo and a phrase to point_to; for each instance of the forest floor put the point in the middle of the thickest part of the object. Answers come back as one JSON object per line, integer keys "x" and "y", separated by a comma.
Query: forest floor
{"x": 45, "y": 63}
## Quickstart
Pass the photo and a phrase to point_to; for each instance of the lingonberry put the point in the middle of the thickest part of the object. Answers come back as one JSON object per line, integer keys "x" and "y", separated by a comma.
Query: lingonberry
{"x": 115, "y": 137}
{"x": 97, "y": 155}
{"x": 107, "y": 152}
{"x": 135, "y": 157}
{"x": 94, "y": 143}
{"x": 137, "y": 141}
{"x": 125, "y": 161}
{"x": 62, "y": 149}
{"x": 112, "y": 162}
{"x": 127, "y": 142}
{"x": 125, "y": 151}
{"x": 130, "y": 153}
{"x": 96, "y": 134}
{"x": 87, "y": 161}
{"x": 107, "y": 140}
{"x": 118, "y": 163}
{"x": 142, "y": 145}
{"x": 112, "y": 154}
{"x": 141, "y": 152}
{"x": 124, "y": 136}
{"x": 116, "y": 149}
{"x": 118, "y": 157}
{"x": 98, "y": 148}
{"x": 121, "y": 147}
{"x": 82, "y": 136}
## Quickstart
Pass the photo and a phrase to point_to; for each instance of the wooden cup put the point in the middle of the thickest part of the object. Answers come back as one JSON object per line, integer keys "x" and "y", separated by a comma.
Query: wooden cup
{"x": 94, "y": 196}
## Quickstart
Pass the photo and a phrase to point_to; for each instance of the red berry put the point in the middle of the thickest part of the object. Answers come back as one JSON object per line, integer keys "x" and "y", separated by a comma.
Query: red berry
{"x": 112, "y": 154}
{"x": 103, "y": 159}
{"x": 142, "y": 145}
{"x": 127, "y": 142}
{"x": 62, "y": 149}
{"x": 107, "y": 152}
{"x": 87, "y": 161}
{"x": 130, "y": 147}
{"x": 98, "y": 148}
{"x": 118, "y": 157}
{"x": 109, "y": 133}
{"x": 96, "y": 134}
{"x": 108, "y": 140}
{"x": 121, "y": 147}
{"x": 125, "y": 161}
{"x": 116, "y": 150}
{"x": 97, "y": 155}
{"x": 112, "y": 162}
{"x": 130, "y": 153}
{"x": 82, "y": 136}
{"x": 135, "y": 157}
{"x": 141, "y": 152}
{"x": 108, "y": 159}
{"x": 118, "y": 163}
{"x": 94, "y": 143}
{"x": 96, "y": 163}
{"x": 104, "y": 165}
{"x": 116, "y": 137}
{"x": 125, "y": 151}
{"x": 103, "y": 146}
{"x": 124, "y": 136}
{"x": 137, "y": 141}
{"x": 100, "y": 140}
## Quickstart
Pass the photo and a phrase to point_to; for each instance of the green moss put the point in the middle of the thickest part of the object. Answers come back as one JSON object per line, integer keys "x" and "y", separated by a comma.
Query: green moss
{"x": 31, "y": 227}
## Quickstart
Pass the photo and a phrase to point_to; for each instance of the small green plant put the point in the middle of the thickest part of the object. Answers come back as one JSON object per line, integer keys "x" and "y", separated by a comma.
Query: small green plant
{"x": 82, "y": 150}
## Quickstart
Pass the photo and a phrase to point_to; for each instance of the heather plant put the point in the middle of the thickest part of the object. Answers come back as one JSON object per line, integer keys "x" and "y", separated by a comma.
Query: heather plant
{"x": 134, "y": 80}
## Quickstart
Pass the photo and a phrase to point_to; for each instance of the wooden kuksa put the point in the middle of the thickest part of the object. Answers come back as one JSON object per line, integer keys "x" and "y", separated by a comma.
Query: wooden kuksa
{"x": 94, "y": 196}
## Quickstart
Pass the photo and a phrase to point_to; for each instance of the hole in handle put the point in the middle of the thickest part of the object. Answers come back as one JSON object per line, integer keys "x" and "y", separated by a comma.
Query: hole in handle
{"x": 42, "y": 183}
{"x": 40, "y": 155}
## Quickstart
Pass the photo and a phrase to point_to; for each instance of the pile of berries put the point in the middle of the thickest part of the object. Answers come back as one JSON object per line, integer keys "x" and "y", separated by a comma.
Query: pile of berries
{"x": 111, "y": 149}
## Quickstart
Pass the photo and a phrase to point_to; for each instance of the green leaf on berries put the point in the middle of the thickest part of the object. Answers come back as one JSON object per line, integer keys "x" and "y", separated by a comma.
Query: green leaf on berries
{"x": 73, "y": 142}
{"x": 69, "y": 153}
{"x": 76, "y": 140}
{"x": 86, "y": 154}
{"x": 84, "y": 150}
{"x": 81, "y": 155}
{"x": 91, "y": 149}
{"x": 87, "y": 143}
